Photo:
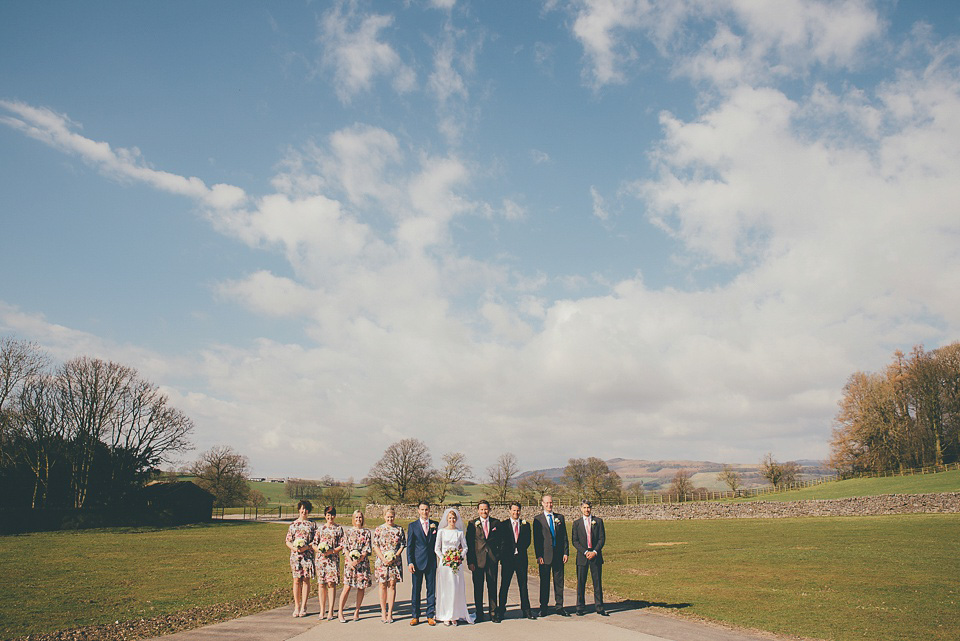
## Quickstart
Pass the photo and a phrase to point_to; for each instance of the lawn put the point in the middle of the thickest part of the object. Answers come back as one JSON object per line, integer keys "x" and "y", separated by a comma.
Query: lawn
{"x": 886, "y": 577}
{"x": 915, "y": 484}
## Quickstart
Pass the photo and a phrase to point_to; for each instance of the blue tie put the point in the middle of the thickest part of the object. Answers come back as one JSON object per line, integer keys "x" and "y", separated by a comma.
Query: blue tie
{"x": 553, "y": 532}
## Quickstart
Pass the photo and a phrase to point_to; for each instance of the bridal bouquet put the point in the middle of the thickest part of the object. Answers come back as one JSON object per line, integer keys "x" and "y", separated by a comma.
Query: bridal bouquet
{"x": 453, "y": 559}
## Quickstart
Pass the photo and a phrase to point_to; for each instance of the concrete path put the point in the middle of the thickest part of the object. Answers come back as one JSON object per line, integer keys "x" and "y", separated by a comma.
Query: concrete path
{"x": 628, "y": 621}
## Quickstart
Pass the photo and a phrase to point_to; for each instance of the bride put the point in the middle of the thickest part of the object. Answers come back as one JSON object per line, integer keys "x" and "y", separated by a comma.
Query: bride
{"x": 451, "y": 588}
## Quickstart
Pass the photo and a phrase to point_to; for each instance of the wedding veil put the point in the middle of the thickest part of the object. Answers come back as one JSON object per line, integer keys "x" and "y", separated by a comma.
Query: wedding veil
{"x": 443, "y": 523}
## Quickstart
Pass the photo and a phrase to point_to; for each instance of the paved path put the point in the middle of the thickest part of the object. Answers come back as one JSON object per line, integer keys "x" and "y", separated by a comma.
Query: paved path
{"x": 628, "y": 621}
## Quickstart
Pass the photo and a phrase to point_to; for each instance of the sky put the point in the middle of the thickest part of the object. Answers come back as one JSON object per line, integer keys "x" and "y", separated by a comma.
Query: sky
{"x": 613, "y": 228}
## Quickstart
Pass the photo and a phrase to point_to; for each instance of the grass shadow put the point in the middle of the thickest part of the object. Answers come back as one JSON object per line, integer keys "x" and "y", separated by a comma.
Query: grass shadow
{"x": 633, "y": 604}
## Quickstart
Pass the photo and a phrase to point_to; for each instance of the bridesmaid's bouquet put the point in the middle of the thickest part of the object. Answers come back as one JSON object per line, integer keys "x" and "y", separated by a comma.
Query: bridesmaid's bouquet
{"x": 354, "y": 555}
{"x": 299, "y": 543}
{"x": 453, "y": 559}
{"x": 323, "y": 547}
{"x": 389, "y": 556}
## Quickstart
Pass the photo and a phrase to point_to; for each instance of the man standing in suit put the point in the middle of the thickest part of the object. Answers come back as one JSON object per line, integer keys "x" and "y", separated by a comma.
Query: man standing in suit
{"x": 483, "y": 552}
{"x": 514, "y": 542}
{"x": 552, "y": 549}
{"x": 422, "y": 560}
{"x": 588, "y": 537}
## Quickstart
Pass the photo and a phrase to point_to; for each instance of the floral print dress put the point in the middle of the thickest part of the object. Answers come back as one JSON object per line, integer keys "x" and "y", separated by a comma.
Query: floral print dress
{"x": 328, "y": 565}
{"x": 358, "y": 539}
{"x": 302, "y": 564}
{"x": 389, "y": 539}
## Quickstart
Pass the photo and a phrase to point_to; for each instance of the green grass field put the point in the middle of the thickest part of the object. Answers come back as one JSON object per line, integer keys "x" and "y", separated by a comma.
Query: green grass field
{"x": 887, "y": 577}
{"x": 915, "y": 484}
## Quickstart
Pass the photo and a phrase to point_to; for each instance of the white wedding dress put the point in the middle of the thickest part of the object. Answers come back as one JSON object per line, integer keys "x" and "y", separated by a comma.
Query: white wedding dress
{"x": 451, "y": 588}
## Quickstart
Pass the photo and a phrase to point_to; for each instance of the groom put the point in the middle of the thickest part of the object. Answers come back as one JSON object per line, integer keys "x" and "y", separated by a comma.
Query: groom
{"x": 483, "y": 554}
{"x": 421, "y": 539}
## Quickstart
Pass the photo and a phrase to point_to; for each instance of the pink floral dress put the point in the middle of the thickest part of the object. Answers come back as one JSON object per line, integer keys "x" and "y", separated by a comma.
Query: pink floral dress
{"x": 389, "y": 539}
{"x": 302, "y": 564}
{"x": 358, "y": 539}
{"x": 328, "y": 565}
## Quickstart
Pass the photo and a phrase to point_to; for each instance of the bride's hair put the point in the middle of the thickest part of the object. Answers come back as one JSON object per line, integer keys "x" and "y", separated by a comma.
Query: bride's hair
{"x": 459, "y": 522}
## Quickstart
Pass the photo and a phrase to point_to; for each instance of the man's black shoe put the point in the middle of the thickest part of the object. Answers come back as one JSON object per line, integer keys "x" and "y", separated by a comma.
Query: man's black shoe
{"x": 543, "y": 612}
{"x": 602, "y": 612}
{"x": 562, "y": 612}
{"x": 529, "y": 614}
{"x": 479, "y": 618}
{"x": 580, "y": 612}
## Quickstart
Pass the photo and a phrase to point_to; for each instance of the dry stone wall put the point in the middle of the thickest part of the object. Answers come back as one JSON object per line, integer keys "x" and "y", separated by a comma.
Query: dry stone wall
{"x": 947, "y": 502}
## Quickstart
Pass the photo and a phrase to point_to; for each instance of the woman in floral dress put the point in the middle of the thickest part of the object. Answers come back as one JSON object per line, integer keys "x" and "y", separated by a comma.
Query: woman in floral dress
{"x": 356, "y": 565}
{"x": 388, "y": 544}
{"x": 328, "y": 543}
{"x": 300, "y": 537}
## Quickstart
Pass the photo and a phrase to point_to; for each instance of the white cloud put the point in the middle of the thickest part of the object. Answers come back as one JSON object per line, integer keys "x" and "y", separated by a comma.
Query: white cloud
{"x": 353, "y": 49}
{"x": 599, "y": 207}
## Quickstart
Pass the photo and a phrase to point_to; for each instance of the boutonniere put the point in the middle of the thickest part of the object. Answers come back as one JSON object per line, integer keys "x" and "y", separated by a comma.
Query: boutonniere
{"x": 523, "y": 521}
{"x": 592, "y": 522}
{"x": 433, "y": 526}
{"x": 479, "y": 523}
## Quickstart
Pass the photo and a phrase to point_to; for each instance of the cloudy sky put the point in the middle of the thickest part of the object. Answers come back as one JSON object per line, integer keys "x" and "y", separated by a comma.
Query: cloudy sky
{"x": 587, "y": 228}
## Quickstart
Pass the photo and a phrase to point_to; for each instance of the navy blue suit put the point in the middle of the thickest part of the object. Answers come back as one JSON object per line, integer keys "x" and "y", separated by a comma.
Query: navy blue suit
{"x": 423, "y": 557}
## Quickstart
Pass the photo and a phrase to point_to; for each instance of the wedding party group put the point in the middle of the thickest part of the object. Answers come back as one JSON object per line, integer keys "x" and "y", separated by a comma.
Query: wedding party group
{"x": 436, "y": 553}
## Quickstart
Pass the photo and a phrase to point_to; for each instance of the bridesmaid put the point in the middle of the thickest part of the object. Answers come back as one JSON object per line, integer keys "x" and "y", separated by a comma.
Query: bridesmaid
{"x": 356, "y": 565}
{"x": 300, "y": 538}
{"x": 388, "y": 544}
{"x": 328, "y": 543}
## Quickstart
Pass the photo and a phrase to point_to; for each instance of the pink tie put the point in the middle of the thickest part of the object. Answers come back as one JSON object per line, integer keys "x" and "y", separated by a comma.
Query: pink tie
{"x": 516, "y": 531}
{"x": 586, "y": 525}
{"x": 424, "y": 523}
{"x": 486, "y": 528}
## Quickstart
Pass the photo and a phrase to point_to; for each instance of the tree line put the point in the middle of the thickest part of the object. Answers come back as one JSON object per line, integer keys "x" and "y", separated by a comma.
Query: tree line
{"x": 405, "y": 474}
{"x": 86, "y": 433}
{"x": 903, "y": 417}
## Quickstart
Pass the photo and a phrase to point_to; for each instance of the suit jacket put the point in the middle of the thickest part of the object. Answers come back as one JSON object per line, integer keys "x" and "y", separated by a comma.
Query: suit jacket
{"x": 543, "y": 546}
{"x": 597, "y": 538}
{"x": 514, "y": 551}
{"x": 420, "y": 546}
{"x": 481, "y": 550}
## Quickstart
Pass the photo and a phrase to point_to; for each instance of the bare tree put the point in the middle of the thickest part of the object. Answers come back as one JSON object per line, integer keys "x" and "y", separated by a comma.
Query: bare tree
{"x": 575, "y": 477}
{"x": 337, "y": 495}
{"x": 223, "y": 472}
{"x": 20, "y": 362}
{"x": 454, "y": 471}
{"x": 402, "y": 472}
{"x": 729, "y": 475}
{"x": 681, "y": 484}
{"x": 501, "y": 473}
{"x": 42, "y": 428}
{"x": 778, "y": 473}
{"x": 635, "y": 490}
{"x": 534, "y": 487}
{"x": 90, "y": 393}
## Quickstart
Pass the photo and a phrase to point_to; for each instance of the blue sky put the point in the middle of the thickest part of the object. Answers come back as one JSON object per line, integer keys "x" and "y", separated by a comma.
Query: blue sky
{"x": 589, "y": 228}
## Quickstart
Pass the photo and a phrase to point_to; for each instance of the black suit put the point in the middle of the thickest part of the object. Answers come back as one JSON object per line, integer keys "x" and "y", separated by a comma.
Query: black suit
{"x": 483, "y": 553}
{"x": 513, "y": 560}
{"x": 552, "y": 553}
{"x": 594, "y": 565}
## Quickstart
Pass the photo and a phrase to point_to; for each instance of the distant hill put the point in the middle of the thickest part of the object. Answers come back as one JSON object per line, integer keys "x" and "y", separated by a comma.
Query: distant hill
{"x": 658, "y": 474}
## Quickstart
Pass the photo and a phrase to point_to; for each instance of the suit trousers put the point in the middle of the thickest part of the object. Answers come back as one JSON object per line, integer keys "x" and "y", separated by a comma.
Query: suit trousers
{"x": 488, "y": 574}
{"x": 596, "y": 573}
{"x": 509, "y": 571}
{"x": 417, "y": 579}
{"x": 556, "y": 570}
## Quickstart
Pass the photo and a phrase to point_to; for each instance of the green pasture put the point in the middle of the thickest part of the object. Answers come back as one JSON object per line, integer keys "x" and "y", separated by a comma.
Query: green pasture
{"x": 912, "y": 484}
{"x": 883, "y": 577}
{"x": 843, "y": 578}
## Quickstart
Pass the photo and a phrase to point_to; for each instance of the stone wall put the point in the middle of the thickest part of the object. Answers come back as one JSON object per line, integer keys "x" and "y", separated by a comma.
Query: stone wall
{"x": 947, "y": 502}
